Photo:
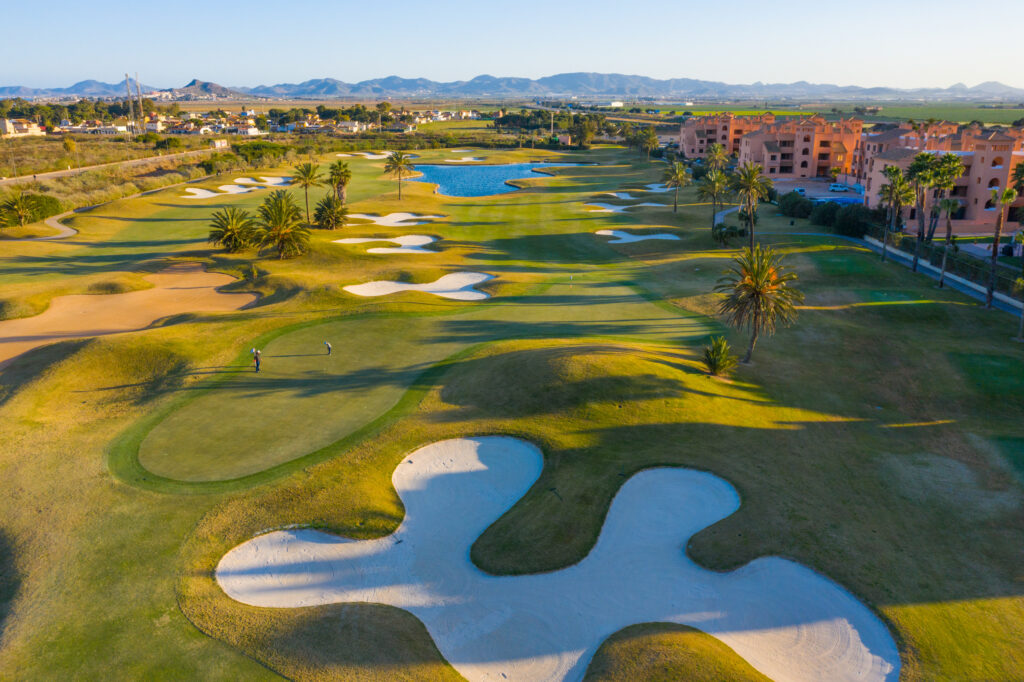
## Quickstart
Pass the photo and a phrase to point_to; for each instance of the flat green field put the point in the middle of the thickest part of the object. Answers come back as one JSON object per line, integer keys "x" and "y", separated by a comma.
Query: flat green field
{"x": 877, "y": 441}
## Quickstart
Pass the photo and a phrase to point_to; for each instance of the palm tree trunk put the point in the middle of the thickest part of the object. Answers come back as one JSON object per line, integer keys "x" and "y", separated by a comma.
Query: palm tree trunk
{"x": 343, "y": 193}
{"x": 399, "y": 186}
{"x": 675, "y": 201}
{"x": 753, "y": 339}
{"x": 750, "y": 226}
{"x": 919, "y": 205}
{"x": 714, "y": 207}
{"x": 945, "y": 252}
{"x": 307, "y": 205}
{"x": 995, "y": 258}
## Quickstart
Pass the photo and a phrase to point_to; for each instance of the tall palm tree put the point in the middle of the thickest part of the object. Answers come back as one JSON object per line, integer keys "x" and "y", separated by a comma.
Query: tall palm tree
{"x": 231, "y": 228}
{"x": 676, "y": 177}
{"x": 20, "y": 208}
{"x": 751, "y": 186}
{"x": 307, "y": 175}
{"x": 648, "y": 141}
{"x": 714, "y": 187}
{"x": 626, "y": 130}
{"x": 759, "y": 293}
{"x": 1001, "y": 200}
{"x": 947, "y": 207}
{"x": 948, "y": 170}
{"x": 922, "y": 176}
{"x": 330, "y": 213}
{"x": 716, "y": 158}
{"x": 399, "y": 164}
{"x": 280, "y": 225}
{"x": 897, "y": 193}
{"x": 339, "y": 175}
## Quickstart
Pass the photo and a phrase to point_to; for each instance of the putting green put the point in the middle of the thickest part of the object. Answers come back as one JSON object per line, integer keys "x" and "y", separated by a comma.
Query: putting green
{"x": 303, "y": 400}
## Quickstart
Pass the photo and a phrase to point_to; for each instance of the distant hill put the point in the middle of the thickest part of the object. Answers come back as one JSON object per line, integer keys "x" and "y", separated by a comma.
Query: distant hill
{"x": 586, "y": 85}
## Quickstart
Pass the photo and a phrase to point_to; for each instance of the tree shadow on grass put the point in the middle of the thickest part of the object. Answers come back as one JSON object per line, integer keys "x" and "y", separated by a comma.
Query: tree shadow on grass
{"x": 10, "y": 579}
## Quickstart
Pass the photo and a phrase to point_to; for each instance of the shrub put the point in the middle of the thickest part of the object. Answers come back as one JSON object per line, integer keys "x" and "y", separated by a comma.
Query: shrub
{"x": 148, "y": 138}
{"x": 46, "y": 206}
{"x": 169, "y": 143}
{"x": 793, "y": 205}
{"x": 824, "y": 214}
{"x": 742, "y": 215}
{"x": 718, "y": 358}
{"x": 852, "y": 220}
{"x": 722, "y": 233}
{"x": 698, "y": 171}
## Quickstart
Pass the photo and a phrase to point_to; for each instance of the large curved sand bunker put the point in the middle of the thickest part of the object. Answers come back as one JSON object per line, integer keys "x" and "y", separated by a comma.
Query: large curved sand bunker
{"x": 241, "y": 186}
{"x": 182, "y": 288}
{"x": 407, "y": 243}
{"x": 786, "y": 620}
{"x": 397, "y": 219}
{"x": 612, "y": 208}
{"x": 623, "y": 237}
{"x": 458, "y": 286}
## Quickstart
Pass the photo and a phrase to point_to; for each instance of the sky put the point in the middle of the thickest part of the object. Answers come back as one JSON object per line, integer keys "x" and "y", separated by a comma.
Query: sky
{"x": 898, "y": 43}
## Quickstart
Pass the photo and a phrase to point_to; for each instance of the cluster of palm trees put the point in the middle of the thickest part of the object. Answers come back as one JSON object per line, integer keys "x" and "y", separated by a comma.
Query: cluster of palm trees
{"x": 747, "y": 184}
{"x": 643, "y": 139}
{"x": 277, "y": 225}
{"x": 926, "y": 173}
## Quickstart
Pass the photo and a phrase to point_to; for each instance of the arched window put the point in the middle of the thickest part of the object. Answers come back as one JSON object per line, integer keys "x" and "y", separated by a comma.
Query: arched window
{"x": 989, "y": 205}
{"x": 993, "y": 183}
{"x": 805, "y": 151}
{"x": 997, "y": 162}
{"x": 803, "y": 164}
{"x": 807, "y": 138}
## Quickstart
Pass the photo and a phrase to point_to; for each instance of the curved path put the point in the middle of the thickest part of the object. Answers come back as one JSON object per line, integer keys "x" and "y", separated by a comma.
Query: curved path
{"x": 181, "y": 288}
{"x": 783, "y": 618}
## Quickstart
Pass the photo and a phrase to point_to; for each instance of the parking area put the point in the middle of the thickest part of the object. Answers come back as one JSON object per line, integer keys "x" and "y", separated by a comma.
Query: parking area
{"x": 816, "y": 188}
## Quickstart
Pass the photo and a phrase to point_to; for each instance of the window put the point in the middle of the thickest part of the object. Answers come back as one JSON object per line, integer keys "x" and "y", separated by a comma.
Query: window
{"x": 805, "y": 151}
{"x": 997, "y": 162}
{"x": 771, "y": 171}
{"x": 826, "y": 143}
{"x": 803, "y": 164}
{"x": 993, "y": 183}
{"x": 773, "y": 157}
{"x": 787, "y": 157}
{"x": 807, "y": 138}
{"x": 823, "y": 157}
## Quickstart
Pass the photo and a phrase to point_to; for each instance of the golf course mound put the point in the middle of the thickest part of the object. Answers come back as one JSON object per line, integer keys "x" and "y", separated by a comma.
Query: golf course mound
{"x": 396, "y": 219}
{"x": 787, "y": 621}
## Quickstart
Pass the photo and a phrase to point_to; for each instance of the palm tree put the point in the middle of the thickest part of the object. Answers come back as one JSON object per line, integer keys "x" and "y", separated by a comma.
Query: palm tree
{"x": 759, "y": 294}
{"x": 751, "y": 186}
{"x": 1017, "y": 178}
{"x": 648, "y": 141}
{"x": 339, "y": 175}
{"x": 20, "y": 208}
{"x": 307, "y": 175}
{"x": 922, "y": 176}
{"x": 1018, "y": 288}
{"x": 330, "y": 213}
{"x": 280, "y": 225}
{"x": 676, "y": 177}
{"x": 716, "y": 158}
{"x": 714, "y": 186}
{"x": 947, "y": 207}
{"x": 948, "y": 170}
{"x": 231, "y": 228}
{"x": 1000, "y": 200}
{"x": 897, "y": 193}
{"x": 399, "y": 164}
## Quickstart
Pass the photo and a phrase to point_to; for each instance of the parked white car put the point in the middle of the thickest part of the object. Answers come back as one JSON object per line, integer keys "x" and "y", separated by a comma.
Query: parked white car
{"x": 837, "y": 187}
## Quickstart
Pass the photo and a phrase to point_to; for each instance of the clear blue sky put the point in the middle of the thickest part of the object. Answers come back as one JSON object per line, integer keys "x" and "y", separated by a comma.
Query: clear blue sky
{"x": 903, "y": 43}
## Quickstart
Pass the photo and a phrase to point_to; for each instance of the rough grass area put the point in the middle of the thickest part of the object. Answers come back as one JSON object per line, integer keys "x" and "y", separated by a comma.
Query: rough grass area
{"x": 877, "y": 441}
{"x": 665, "y": 651}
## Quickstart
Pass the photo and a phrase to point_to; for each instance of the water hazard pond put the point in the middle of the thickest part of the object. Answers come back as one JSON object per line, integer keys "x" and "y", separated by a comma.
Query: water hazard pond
{"x": 479, "y": 180}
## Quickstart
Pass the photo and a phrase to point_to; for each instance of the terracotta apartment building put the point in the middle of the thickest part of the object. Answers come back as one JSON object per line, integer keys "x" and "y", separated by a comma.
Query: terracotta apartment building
{"x": 793, "y": 148}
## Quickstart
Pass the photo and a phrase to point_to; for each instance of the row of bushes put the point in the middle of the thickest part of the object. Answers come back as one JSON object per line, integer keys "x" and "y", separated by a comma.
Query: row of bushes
{"x": 851, "y": 220}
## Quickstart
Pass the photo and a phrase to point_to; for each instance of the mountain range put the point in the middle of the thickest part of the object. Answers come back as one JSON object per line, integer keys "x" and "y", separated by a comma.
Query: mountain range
{"x": 583, "y": 85}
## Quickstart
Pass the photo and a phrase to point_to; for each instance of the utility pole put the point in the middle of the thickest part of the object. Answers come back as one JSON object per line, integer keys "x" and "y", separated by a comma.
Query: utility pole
{"x": 138, "y": 93}
{"x": 131, "y": 109}
{"x": 552, "y": 123}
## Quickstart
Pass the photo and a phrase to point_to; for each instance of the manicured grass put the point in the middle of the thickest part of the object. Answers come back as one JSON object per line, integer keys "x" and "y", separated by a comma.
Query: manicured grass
{"x": 666, "y": 651}
{"x": 868, "y": 442}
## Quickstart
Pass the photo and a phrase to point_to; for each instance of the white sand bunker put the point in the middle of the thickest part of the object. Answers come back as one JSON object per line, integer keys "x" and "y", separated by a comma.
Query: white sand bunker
{"x": 457, "y": 286}
{"x": 200, "y": 193}
{"x": 658, "y": 187}
{"x": 408, "y": 243}
{"x": 265, "y": 181}
{"x": 623, "y": 237}
{"x": 460, "y": 151}
{"x": 784, "y": 619}
{"x": 619, "y": 195}
{"x": 610, "y": 208}
{"x": 181, "y": 288}
{"x": 397, "y": 219}
{"x": 376, "y": 156}
{"x": 466, "y": 159}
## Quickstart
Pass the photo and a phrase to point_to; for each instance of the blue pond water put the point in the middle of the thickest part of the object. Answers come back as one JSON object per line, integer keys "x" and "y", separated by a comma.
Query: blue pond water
{"x": 477, "y": 181}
